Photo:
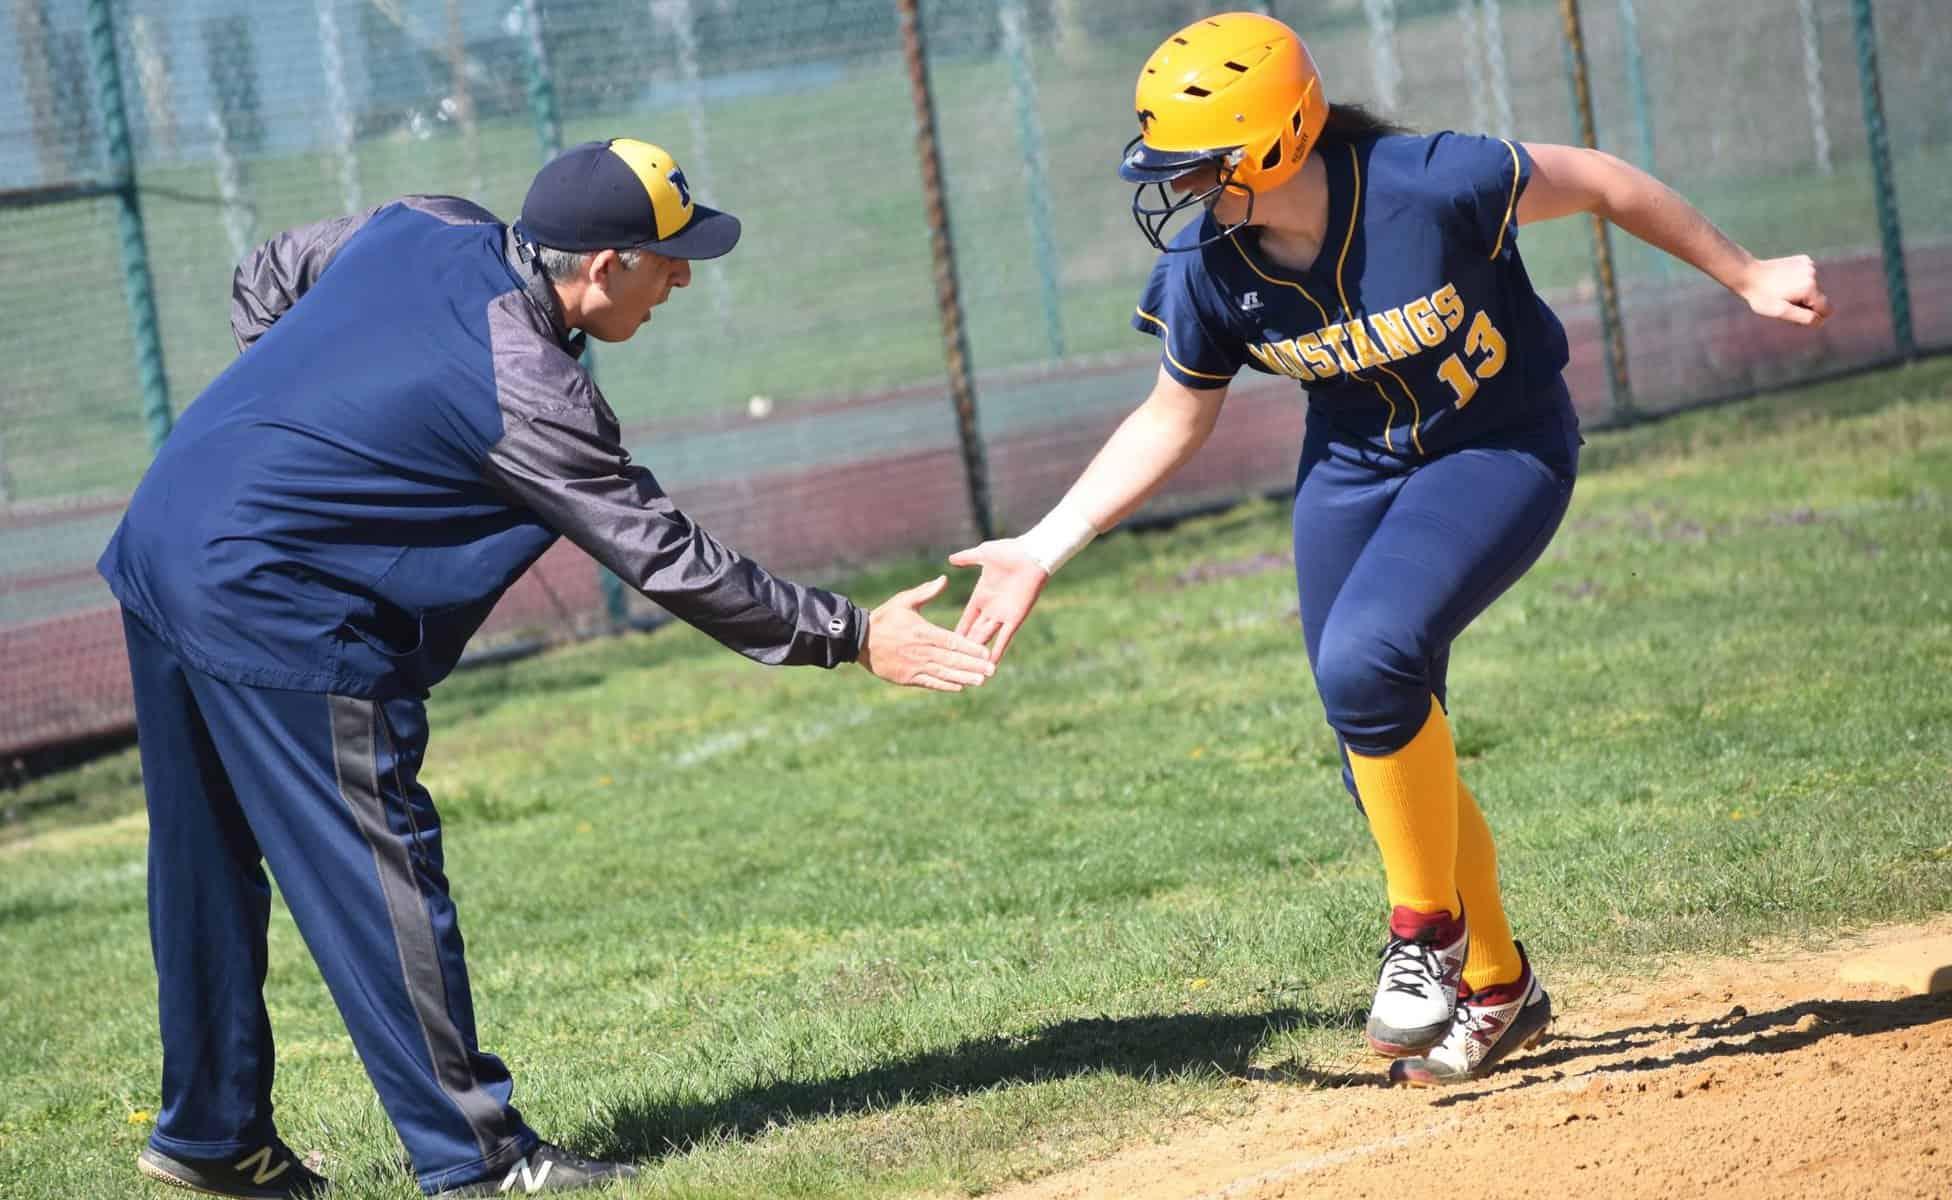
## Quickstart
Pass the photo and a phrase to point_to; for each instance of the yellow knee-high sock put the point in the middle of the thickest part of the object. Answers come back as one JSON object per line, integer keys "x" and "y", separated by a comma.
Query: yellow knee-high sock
{"x": 1492, "y": 957}
{"x": 1411, "y": 799}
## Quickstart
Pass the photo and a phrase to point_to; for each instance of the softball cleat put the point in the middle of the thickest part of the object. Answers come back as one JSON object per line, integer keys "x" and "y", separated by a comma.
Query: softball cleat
{"x": 1416, "y": 988}
{"x": 1490, "y": 1025}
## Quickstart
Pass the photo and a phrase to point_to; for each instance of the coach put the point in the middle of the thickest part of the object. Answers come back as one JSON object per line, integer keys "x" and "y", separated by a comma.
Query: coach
{"x": 406, "y": 430}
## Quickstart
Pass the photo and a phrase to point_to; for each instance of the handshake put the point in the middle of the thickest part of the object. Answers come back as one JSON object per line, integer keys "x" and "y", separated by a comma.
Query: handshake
{"x": 903, "y": 647}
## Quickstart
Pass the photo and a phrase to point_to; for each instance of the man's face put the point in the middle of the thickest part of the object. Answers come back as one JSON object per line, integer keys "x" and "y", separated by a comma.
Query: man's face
{"x": 620, "y": 299}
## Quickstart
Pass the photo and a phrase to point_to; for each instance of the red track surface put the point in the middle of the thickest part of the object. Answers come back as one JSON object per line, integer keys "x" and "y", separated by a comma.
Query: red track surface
{"x": 65, "y": 677}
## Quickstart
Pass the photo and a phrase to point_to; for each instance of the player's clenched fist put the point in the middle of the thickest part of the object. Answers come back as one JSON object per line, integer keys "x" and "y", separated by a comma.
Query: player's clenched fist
{"x": 904, "y": 648}
{"x": 1786, "y": 289}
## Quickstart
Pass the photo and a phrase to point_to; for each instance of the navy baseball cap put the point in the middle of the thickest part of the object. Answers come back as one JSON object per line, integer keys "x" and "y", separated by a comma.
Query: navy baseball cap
{"x": 622, "y": 194}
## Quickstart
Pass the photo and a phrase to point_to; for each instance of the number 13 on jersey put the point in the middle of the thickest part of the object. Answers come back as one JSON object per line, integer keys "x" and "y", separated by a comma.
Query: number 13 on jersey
{"x": 1487, "y": 345}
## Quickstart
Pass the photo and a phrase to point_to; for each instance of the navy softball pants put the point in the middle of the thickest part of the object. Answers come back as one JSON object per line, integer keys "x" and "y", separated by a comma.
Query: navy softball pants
{"x": 1394, "y": 558}
{"x": 322, "y": 788}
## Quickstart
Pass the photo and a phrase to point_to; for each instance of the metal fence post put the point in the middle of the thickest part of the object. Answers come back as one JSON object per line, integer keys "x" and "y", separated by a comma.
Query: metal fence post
{"x": 137, "y": 288}
{"x": 1895, "y": 284}
{"x": 1494, "y": 46}
{"x": 332, "y": 58}
{"x": 1613, "y": 331}
{"x": 678, "y": 18}
{"x": 1643, "y": 114}
{"x": 542, "y": 89}
{"x": 1030, "y": 140}
{"x": 955, "y": 343}
{"x": 1813, "y": 84}
{"x": 549, "y": 139}
{"x": 1384, "y": 64}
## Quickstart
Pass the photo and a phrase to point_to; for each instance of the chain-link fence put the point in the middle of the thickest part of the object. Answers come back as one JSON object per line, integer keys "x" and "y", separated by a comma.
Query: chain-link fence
{"x": 796, "y": 398}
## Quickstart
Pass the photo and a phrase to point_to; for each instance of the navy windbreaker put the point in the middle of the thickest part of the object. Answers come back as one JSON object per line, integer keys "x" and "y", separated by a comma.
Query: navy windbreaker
{"x": 341, "y": 507}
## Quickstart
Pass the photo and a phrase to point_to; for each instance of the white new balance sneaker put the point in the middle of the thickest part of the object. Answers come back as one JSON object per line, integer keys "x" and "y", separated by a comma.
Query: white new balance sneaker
{"x": 1416, "y": 989}
{"x": 1490, "y": 1025}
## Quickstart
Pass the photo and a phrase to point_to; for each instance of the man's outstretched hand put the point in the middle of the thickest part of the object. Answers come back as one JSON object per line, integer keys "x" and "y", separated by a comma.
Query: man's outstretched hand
{"x": 1005, "y": 593}
{"x": 904, "y": 648}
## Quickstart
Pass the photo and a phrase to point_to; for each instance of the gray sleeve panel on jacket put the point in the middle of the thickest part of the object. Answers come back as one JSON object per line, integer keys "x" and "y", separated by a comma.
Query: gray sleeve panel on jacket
{"x": 451, "y": 209}
{"x": 561, "y": 456}
{"x": 272, "y": 278}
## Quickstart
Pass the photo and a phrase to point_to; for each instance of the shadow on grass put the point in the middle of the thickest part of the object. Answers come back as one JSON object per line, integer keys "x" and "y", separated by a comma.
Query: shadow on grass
{"x": 1145, "y": 1047}
{"x": 1740, "y": 1033}
{"x": 22, "y": 910}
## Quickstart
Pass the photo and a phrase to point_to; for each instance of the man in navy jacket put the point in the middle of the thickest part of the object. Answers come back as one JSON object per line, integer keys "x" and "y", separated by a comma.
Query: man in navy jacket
{"x": 406, "y": 430}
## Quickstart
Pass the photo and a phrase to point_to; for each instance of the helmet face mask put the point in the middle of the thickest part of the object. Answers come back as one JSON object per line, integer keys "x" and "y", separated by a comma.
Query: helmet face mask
{"x": 1238, "y": 92}
{"x": 1152, "y": 218}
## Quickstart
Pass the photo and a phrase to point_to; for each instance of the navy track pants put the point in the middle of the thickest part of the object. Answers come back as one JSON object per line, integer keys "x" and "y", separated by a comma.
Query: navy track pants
{"x": 322, "y": 788}
{"x": 1393, "y": 559}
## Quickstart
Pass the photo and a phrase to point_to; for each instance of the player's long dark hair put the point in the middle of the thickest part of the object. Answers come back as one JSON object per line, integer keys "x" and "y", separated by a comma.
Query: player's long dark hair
{"x": 1354, "y": 122}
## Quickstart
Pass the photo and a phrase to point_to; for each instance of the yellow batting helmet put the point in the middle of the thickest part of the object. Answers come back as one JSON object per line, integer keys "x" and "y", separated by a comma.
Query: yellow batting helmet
{"x": 1237, "y": 91}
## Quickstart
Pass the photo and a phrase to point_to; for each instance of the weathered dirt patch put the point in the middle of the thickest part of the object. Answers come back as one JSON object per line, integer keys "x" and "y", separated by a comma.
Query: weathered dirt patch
{"x": 1764, "y": 1076}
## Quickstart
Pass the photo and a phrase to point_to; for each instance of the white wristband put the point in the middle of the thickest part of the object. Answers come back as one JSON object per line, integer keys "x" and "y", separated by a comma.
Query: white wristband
{"x": 1052, "y": 541}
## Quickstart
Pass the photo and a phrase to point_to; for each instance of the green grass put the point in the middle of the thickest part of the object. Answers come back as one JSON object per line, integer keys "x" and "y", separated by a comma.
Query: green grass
{"x": 788, "y": 933}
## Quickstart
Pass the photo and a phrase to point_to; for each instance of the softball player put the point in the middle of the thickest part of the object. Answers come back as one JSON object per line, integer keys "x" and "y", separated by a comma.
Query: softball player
{"x": 1380, "y": 270}
{"x": 406, "y": 431}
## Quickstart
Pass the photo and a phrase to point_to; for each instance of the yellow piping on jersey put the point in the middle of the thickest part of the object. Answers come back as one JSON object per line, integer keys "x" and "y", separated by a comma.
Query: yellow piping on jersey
{"x": 1169, "y": 350}
{"x": 1511, "y": 205}
{"x": 1235, "y": 243}
{"x": 1355, "y": 211}
{"x": 1241, "y": 250}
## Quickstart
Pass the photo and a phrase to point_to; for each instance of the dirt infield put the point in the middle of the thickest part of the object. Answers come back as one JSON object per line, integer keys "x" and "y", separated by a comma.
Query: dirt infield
{"x": 1773, "y": 1075}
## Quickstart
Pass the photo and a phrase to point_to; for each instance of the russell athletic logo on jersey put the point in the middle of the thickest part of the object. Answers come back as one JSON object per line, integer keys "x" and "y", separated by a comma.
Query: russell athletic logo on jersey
{"x": 1380, "y": 338}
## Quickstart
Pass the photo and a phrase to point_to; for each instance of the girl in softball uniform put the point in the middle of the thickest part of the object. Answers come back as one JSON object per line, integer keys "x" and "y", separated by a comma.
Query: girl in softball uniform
{"x": 1380, "y": 270}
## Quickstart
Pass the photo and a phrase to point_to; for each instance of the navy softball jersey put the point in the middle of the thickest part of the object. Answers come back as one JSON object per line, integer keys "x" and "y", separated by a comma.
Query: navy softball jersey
{"x": 1416, "y": 328}
{"x": 1441, "y": 444}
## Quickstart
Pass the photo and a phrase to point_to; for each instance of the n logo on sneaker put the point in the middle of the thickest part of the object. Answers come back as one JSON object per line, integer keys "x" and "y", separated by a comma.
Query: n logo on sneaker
{"x": 1489, "y": 1027}
{"x": 261, "y": 1166}
{"x": 531, "y": 1181}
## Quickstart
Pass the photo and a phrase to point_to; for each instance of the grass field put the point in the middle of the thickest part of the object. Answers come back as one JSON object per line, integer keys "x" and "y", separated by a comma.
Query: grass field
{"x": 787, "y": 934}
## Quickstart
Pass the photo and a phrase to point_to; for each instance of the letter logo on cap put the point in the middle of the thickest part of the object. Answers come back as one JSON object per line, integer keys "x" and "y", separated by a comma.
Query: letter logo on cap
{"x": 663, "y": 182}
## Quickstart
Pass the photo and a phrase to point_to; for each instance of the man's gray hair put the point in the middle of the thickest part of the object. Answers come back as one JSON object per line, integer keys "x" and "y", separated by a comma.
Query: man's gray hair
{"x": 559, "y": 265}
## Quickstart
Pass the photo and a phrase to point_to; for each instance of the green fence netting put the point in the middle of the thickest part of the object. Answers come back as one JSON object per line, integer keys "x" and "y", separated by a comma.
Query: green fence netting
{"x": 795, "y": 398}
